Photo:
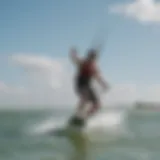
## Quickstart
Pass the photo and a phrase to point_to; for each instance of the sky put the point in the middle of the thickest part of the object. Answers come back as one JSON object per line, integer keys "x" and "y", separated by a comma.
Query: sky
{"x": 36, "y": 36}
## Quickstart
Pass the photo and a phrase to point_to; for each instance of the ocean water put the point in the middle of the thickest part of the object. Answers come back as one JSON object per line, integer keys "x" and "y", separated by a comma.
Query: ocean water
{"x": 111, "y": 135}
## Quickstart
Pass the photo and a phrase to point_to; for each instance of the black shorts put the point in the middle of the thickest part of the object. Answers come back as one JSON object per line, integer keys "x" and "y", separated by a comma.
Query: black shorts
{"x": 84, "y": 89}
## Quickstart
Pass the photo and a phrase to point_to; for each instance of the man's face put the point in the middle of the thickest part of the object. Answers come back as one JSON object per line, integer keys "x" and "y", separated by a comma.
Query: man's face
{"x": 92, "y": 54}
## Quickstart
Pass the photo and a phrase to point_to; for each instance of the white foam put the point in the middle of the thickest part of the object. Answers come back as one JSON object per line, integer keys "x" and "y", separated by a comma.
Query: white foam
{"x": 45, "y": 126}
{"x": 107, "y": 122}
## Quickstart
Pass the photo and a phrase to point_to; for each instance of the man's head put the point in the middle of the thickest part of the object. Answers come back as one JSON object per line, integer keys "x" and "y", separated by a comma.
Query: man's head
{"x": 92, "y": 54}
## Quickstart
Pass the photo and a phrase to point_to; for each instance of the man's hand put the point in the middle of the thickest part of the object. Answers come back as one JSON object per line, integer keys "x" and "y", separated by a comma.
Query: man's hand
{"x": 74, "y": 57}
{"x": 73, "y": 52}
{"x": 105, "y": 86}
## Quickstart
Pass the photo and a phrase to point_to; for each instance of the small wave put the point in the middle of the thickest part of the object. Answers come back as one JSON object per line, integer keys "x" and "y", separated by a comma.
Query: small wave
{"x": 107, "y": 122}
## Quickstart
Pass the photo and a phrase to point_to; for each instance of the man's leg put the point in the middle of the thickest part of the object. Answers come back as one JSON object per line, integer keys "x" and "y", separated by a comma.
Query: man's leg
{"x": 82, "y": 103}
{"x": 79, "y": 117}
{"x": 95, "y": 103}
{"x": 81, "y": 106}
{"x": 94, "y": 108}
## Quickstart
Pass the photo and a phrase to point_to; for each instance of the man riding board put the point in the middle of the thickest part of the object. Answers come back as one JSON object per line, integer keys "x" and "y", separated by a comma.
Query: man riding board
{"x": 87, "y": 70}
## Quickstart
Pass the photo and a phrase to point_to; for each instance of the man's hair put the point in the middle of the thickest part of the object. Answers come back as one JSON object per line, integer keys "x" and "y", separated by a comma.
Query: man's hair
{"x": 92, "y": 54}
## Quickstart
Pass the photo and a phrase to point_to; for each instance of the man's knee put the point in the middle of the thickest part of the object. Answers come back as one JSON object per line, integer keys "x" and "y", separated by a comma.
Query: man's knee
{"x": 94, "y": 108}
{"x": 96, "y": 105}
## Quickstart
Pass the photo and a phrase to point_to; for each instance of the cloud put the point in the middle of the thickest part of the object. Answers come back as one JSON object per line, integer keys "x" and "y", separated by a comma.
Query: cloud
{"x": 146, "y": 11}
{"x": 49, "y": 82}
{"x": 151, "y": 93}
{"x": 121, "y": 93}
{"x": 43, "y": 71}
{"x": 4, "y": 88}
{"x": 10, "y": 95}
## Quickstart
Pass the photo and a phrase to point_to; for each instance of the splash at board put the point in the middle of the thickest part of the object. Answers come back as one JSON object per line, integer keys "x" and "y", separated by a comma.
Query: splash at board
{"x": 75, "y": 125}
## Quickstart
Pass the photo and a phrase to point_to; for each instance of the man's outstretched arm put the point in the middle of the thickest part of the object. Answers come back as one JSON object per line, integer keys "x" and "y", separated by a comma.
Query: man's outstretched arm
{"x": 74, "y": 56}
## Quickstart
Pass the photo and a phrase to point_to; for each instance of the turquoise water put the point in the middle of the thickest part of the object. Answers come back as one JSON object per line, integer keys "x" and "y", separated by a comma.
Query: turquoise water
{"x": 132, "y": 135}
